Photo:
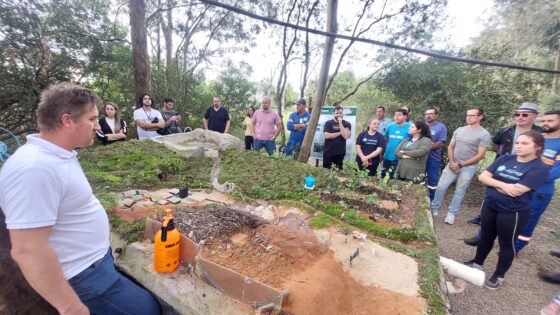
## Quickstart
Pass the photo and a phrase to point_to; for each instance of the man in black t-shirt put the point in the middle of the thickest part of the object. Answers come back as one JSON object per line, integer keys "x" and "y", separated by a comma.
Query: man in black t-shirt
{"x": 336, "y": 131}
{"x": 216, "y": 117}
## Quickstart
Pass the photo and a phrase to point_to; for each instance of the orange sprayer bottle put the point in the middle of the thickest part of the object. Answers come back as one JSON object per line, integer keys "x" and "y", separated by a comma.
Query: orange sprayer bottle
{"x": 166, "y": 254}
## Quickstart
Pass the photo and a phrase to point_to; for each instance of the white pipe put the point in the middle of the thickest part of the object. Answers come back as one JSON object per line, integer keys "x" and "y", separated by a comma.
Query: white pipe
{"x": 461, "y": 271}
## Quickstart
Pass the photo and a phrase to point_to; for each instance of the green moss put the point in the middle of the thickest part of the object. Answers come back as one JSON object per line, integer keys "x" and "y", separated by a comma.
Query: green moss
{"x": 321, "y": 221}
{"x": 128, "y": 231}
{"x": 294, "y": 203}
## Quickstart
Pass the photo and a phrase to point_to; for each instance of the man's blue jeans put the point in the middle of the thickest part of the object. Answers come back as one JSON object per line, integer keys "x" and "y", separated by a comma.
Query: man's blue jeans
{"x": 268, "y": 145}
{"x": 292, "y": 147}
{"x": 105, "y": 291}
{"x": 432, "y": 172}
{"x": 447, "y": 178}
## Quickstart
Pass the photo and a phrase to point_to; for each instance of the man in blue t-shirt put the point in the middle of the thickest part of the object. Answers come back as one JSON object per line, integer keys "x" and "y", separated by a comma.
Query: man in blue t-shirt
{"x": 439, "y": 136}
{"x": 297, "y": 124}
{"x": 395, "y": 133}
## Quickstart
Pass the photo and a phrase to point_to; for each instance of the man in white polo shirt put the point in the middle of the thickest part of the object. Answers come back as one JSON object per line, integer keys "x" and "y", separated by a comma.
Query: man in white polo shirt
{"x": 59, "y": 231}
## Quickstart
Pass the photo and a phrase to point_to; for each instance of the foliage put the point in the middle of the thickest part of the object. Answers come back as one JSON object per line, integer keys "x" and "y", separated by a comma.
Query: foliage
{"x": 45, "y": 42}
{"x": 268, "y": 177}
{"x": 141, "y": 165}
{"x": 321, "y": 221}
{"x": 354, "y": 176}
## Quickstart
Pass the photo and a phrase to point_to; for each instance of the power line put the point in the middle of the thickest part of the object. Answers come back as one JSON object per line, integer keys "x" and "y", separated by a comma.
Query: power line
{"x": 375, "y": 42}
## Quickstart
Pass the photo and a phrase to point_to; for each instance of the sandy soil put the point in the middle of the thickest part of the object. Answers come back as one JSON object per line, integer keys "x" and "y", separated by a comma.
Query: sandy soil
{"x": 522, "y": 292}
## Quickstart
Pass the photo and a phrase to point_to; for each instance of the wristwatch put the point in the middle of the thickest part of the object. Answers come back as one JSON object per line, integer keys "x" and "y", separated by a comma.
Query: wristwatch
{"x": 460, "y": 165}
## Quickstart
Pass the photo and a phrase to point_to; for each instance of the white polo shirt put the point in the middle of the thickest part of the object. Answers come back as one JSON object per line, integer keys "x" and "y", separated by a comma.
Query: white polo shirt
{"x": 42, "y": 184}
{"x": 146, "y": 116}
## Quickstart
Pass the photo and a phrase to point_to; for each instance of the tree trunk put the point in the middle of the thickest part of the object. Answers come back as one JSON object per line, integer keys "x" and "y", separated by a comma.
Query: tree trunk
{"x": 556, "y": 76}
{"x": 322, "y": 83}
{"x": 168, "y": 35}
{"x": 140, "y": 58}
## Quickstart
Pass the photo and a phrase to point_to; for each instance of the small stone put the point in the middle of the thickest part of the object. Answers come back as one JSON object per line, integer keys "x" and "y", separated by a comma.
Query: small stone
{"x": 174, "y": 191}
{"x": 125, "y": 203}
{"x": 406, "y": 227}
{"x": 162, "y": 202}
{"x": 174, "y": 200}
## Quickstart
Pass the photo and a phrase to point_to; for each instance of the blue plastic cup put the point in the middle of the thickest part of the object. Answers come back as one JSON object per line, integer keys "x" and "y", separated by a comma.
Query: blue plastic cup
{"x": 309, "y": 182}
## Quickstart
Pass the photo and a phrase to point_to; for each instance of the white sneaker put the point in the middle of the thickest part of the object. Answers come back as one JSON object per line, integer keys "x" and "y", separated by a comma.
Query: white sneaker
{"x": 450, "y": 218}
{"x": 434, "y": 212}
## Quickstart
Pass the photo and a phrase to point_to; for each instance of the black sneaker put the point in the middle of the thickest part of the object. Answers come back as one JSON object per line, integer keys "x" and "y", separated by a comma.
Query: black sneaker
{"x": 550, "y": 277}
{"x": 475, "y": 221}
{"x": 472, "y": 264}
{"x": 494, "y": 282}
{"x": 471, "y": 241}
{"x": 555, "y": 253}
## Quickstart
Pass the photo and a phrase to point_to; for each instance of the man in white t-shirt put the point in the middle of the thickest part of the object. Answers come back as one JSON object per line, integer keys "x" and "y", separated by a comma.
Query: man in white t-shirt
{"x": 59, "y": 231}
{"x": 148, "y": 120}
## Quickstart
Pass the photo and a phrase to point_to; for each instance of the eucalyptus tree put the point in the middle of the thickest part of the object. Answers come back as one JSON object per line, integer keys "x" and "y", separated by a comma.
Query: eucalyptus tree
{"x": 46, "y": 42}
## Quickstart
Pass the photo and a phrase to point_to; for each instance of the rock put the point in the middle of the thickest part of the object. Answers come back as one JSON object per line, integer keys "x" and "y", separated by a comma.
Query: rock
{"x": 200, "y": 143}
{"x": 323, "y": 236}
{"x": 406, "y": 227}
{"x": 125, "y": 203}
{"x": 269, "y": 213}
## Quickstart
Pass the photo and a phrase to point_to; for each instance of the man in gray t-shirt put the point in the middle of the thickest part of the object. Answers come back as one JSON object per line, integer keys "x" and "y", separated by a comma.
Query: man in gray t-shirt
{"x": 466, "y": 149}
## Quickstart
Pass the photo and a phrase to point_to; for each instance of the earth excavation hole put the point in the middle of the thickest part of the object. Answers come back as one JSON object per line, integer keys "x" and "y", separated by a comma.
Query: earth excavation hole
{"x": 288, "y": 256}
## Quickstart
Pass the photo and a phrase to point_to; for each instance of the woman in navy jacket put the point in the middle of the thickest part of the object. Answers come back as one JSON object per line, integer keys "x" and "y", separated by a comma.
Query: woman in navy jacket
{"x": 113, "y": 128}
{"x": 511, "y": 180}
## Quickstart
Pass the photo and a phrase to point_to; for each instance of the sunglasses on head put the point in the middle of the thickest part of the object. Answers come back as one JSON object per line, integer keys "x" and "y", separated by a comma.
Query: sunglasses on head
{"x": 524, "y": 115}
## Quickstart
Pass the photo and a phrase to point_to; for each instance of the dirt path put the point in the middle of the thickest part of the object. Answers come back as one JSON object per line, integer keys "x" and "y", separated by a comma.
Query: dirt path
{"x": 522, "y": 292}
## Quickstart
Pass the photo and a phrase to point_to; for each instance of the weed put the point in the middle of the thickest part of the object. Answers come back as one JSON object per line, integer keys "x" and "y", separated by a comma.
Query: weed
{"x": 354, "y": 176}
{"x": 321, "y": 221}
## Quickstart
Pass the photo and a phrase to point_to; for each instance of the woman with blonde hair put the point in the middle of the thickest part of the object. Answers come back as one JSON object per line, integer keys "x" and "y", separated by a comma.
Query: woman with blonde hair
{"x": 113, "y": 128}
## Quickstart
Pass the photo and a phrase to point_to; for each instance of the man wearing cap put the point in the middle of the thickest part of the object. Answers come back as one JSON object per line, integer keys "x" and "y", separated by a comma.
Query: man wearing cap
{"x": 297, "y": 124}
{"x": 503, "y": 142}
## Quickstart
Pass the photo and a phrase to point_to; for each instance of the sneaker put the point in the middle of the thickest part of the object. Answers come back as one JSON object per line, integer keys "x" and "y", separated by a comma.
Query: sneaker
{"x": 472, "y": 264}
{"x": 552, "y": 308}
{"x": 434, "y": 212}
{"x": 550, "y": 277}
{"x": 494, "y": 282}
{"x": 555, "y": 253}
{"x": 475, "y": 221}
{"x": 471, "y": 241}
{"x": 450, "y": 218}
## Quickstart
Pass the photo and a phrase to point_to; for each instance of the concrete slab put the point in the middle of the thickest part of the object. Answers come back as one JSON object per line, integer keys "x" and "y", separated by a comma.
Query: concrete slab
{"x": 375, "y": 264}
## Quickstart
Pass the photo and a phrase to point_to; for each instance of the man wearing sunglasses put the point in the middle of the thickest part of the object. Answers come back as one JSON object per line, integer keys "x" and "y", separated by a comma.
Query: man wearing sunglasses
{"x": 525, "y": 116}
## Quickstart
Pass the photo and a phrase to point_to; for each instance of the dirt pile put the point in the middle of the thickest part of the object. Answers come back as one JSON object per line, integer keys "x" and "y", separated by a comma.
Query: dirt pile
{"x": 270, "y": 254}
{"x": 326, "y": 289}
{"x": 212, "y": 222}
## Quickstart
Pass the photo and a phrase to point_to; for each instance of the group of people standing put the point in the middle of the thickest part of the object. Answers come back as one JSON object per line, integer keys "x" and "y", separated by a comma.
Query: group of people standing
{"x": 150, "y": 122}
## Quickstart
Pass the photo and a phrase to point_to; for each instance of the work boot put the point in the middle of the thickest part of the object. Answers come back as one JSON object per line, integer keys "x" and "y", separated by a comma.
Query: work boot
{"x": 472, "y": 241}
{"x": 475, "y": 221}
{"x": 550, "y": 277}
{"x": 552, "y": 308}
{"x": 555, "y": 253}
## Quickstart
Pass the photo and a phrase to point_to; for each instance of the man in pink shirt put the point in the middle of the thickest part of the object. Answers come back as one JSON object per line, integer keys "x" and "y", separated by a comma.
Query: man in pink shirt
{"x": 264, "y": 123}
